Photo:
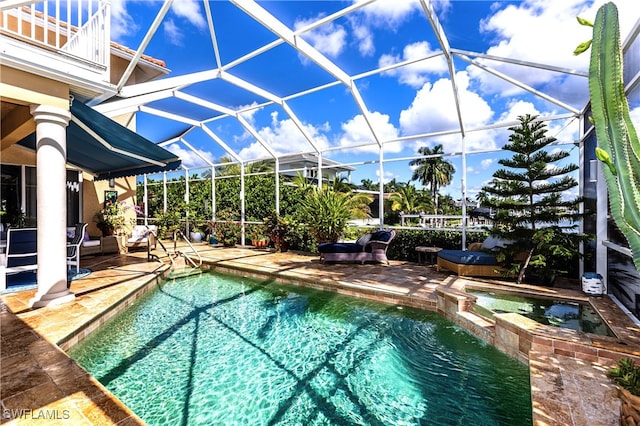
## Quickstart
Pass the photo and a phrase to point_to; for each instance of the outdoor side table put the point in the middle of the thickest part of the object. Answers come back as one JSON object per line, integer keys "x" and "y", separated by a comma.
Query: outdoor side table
{"x": 110, "y": 244}
{"x": 429, "y": 253}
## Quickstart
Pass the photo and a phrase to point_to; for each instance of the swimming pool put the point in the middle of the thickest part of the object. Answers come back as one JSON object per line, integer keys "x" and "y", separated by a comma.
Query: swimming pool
{"x": 558, "y": 313}
{"x": 217, "y": 349}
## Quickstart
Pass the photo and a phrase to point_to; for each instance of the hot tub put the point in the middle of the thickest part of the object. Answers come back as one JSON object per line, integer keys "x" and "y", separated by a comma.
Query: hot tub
{"x": 575, "y": 315}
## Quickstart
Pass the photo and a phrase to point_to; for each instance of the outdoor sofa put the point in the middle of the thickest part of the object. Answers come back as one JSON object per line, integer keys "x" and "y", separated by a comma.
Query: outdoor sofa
{"x": 476, "y": 262}
{"x": 371, "y": 247}
{"x": 89, "y": 245}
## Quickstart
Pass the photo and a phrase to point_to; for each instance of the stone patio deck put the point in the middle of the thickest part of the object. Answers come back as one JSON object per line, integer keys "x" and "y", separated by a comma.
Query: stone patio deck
{"x": 38, "y": 379}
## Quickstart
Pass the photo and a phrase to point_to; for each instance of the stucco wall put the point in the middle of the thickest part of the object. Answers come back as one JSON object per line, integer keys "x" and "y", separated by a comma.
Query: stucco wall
{"x": 93, "y": 199}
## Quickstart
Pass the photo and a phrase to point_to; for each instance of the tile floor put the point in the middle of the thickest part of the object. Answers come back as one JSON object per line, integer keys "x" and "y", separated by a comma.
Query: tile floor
{"x": 38, "y": 381}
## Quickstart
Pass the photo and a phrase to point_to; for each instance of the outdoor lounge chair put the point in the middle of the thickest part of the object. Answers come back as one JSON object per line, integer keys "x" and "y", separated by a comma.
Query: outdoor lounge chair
{"x": 73, "y": 246}
{"x": 371, "y": 247}
{"x": 142, "y": 236}
{"x": 476, "y": 262}
{"x": 21, "y": 253}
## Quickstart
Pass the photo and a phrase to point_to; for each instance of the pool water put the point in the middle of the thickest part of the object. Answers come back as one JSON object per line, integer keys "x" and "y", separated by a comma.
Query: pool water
{"x": 225, "y": 350}
{"x": 557, "y": 313}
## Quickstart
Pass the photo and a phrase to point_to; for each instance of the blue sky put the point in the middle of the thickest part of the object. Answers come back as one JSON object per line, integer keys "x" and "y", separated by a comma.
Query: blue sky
{"x": 401, "y": 103}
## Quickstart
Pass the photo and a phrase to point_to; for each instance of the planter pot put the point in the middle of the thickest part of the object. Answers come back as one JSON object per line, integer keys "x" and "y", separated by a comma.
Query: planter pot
{"x": 629, "y": 409}
{"x": 260, "y": 243}
{"x": 213, "y": 240}
{"x": 196, "y": 237}
{"x": 108, "y": 232}
{"x": 282, "y": 247}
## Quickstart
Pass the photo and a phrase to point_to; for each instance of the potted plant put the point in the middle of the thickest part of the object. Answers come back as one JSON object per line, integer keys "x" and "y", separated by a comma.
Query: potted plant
{"x": 627, "y": 377}
{"x": 195, "y": 234}
{"x": 277, "y": 228}
{"x": 211, "y": 232}
{"x": 226, "y": 229}
{"x": 168, "y": 223}
{"x": 111, "y": 219}
{"x": 258, "y": 235}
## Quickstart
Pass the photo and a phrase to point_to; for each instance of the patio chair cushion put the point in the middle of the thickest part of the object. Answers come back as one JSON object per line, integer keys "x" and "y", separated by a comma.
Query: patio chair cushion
{"x": 383, "y": 236}
{"x": 361, "y": 244}
{"x": 91, "y": 243}
{"x": 364, "y": 240}
{"x": 468, "y": 257}
{"x": 492, "y": 243}
{"x": 340, "y": 248}
{"x": 138, "y": 233}
{"x": 71, "y": 231}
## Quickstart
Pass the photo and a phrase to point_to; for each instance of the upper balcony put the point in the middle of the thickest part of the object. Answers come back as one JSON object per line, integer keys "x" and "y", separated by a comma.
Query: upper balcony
{"x": 66, "y": 40}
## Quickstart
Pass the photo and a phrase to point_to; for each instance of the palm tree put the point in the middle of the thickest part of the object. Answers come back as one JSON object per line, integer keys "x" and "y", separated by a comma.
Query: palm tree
{"x": 432, "y": 170}
{"x": 391, "y": 186}
{"x": 230, "y": 167}
{"x": 340, "y": 184}
{"x": 410, "y": 200}
{"x": 369, "y": 185}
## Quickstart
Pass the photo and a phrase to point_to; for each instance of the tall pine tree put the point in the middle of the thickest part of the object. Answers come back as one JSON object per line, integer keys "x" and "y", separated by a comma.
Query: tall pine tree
{"x": 532, "y": 212}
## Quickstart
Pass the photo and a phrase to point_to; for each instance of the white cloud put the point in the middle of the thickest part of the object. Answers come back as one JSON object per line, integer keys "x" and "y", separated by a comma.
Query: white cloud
{"x": 173, "y": 33}
{"x": 189, "y": 9}
{"x": 387, "y": 177}
{"x": 121, "y": 22}
{"x": 249, "y": 112}
{"x": 557, "y": 129}
{"x": 486, "y": 163}
{"x": 516, "y": 109}
{"x": 284, "y": 137}
{"x": 389, "y": 13}
{"x": 433, "y": 108}
{"x": 356, "y": 131}
{"x": 416, "y": 74}
{"x": 635, "y": 117}
{"x": 330, "y": 39}
{"x": 363, "y": 38}
{"x": 189, "y": 158}
{"x": 525, "y": 29}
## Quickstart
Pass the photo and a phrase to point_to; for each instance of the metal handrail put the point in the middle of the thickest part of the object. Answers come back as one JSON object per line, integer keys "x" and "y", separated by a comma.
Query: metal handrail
{"x": 193, "y": 249}
{"x": 176, "y": 252}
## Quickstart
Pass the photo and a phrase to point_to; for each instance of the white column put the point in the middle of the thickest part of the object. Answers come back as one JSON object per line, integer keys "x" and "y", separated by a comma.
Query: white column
{"x": 51, "y": 155}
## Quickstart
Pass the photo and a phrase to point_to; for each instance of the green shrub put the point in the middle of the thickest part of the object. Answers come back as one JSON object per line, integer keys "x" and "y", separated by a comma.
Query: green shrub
{"x": 403, "y": 245}
{"x": 627, "y": 375}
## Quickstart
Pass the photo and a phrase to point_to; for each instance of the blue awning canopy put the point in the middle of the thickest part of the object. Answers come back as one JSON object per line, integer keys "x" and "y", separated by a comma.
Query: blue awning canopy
{"x": 107, "y": 149}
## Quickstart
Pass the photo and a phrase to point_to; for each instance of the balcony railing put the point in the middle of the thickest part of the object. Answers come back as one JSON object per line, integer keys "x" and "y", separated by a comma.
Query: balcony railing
{"x": 76, "y": 28}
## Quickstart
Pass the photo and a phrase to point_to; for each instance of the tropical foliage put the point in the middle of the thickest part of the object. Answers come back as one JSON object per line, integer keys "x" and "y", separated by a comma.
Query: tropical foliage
{"x": 226, "y": 229}
{"x": 627, "y": 375}
{"x": 327, "y": 211}
{"x": 531, "y": 211}
{"x": 410, "y": 200}
{"x": 432, "y": 170}
{"x": 111, "y": 219}
{"x": 278, "y": 229}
